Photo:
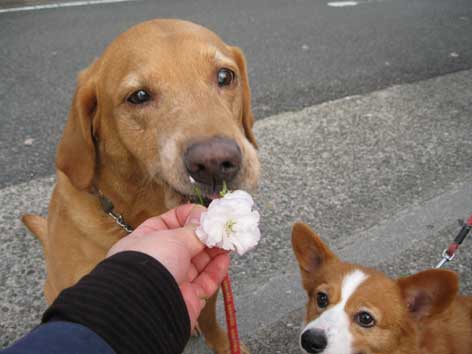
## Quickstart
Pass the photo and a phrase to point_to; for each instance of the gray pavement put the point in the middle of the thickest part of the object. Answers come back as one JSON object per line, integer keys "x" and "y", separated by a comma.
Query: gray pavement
{"x": 299, "y": 53}
{"x": 382, "y": 177}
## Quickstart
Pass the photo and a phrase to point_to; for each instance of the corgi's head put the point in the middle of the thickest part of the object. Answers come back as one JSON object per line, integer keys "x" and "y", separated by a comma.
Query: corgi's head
{"x": 357, "y": 310}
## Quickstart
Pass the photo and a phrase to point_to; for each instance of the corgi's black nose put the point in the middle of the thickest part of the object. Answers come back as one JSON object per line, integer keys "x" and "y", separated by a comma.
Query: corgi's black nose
{"x": 314, "y": 341}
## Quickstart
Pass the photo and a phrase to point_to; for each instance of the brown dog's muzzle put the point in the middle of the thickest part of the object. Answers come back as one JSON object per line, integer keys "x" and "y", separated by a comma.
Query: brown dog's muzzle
{"x": 213, "y": 161}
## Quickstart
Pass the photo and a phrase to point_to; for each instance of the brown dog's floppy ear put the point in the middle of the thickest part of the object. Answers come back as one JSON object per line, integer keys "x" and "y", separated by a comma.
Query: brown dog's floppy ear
{"x": 247, "y": 117}
{"x": 75, "y": 155}
{"x": 429, "y": 292}
{"x": 310, "y": 251}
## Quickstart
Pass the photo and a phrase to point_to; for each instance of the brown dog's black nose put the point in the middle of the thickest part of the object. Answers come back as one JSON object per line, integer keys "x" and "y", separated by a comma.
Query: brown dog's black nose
{"x": 213, "y": 161}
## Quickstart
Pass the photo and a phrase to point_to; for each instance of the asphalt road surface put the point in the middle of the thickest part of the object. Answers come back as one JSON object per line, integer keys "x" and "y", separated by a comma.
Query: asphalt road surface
{"x": 364, "y": 119}
{"x": 299, "y": 53}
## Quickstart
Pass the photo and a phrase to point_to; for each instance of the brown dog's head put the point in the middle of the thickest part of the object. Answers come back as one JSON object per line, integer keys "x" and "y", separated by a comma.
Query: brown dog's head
{"x": 168, "y": 99}
{"x": 357, "y": 310}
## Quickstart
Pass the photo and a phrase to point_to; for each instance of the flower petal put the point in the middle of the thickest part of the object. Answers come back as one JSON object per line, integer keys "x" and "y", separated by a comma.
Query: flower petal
{"x": 230, "y": 223}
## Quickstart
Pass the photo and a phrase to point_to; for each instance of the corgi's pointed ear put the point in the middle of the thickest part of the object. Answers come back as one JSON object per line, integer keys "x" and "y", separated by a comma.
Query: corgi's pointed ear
{"x": 429, "y": 292}
{"x": 310, "y": 251}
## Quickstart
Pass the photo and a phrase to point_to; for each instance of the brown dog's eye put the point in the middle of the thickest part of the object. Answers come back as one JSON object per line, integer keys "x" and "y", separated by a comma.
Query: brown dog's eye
{"x": 139, "y": 97}
{"x": 225, "y": 77}
{"x": 365, "y": 319}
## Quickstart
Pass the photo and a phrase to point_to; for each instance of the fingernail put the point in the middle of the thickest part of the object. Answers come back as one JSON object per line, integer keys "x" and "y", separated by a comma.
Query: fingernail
{"x": 193, "y": 221}
{"x": 194, "y": 216}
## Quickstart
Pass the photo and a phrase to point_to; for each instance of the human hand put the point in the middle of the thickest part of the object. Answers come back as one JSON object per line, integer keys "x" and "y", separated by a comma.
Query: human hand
{"x": 170, "y": 238}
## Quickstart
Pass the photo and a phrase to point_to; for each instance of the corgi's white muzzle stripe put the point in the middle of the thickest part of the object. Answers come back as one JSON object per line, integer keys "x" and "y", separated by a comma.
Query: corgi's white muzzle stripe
{"x": 335, "y": 322}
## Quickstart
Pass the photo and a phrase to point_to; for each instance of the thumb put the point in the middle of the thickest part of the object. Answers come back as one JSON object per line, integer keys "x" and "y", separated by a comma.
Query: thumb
{"x": 187, "y": 233}
{"x": 195, "y": 246}
{"x": 194, "y": 216}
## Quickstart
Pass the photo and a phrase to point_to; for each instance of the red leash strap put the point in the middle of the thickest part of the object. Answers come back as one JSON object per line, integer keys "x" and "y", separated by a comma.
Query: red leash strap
{"x": 469, "y": 222}
{"x": 450, "y": 252}
{"x": 230, "y": 310}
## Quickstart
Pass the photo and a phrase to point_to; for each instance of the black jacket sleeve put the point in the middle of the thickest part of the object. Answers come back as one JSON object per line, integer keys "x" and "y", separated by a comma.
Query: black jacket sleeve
{"x": 132, "y": 302}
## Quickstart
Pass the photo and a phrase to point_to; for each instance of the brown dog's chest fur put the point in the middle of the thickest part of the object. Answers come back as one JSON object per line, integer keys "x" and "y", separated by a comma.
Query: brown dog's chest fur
{"x": 77, "y": 222}
{"x": 79, "y": 227}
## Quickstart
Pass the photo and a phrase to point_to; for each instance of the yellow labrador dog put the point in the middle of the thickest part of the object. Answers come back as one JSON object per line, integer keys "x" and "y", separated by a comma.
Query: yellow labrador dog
{"x": 168, "y": 99}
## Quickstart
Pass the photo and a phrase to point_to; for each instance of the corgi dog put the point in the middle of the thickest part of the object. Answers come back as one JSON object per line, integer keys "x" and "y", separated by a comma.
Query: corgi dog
{"x": 353, "y": 309}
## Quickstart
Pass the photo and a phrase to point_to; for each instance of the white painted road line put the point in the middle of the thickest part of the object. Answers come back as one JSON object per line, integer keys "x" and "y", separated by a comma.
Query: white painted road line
{"x": 342, "y": 3}
{"x": 62, "y": 4}
{"x": 350, "y": 3}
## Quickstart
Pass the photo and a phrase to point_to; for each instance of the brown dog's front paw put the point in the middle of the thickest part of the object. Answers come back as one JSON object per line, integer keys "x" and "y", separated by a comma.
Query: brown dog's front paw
{"x": 244, "y": 349}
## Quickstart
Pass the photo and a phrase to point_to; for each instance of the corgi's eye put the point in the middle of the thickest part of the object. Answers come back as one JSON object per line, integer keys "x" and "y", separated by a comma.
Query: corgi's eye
{"x": 365, "y": 319}
{"x": 322, "y": 300}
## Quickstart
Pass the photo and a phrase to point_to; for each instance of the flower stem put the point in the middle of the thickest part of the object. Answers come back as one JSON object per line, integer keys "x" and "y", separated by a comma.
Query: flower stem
{"x": 198, "y": 192}
{"x": 224, "y": 190}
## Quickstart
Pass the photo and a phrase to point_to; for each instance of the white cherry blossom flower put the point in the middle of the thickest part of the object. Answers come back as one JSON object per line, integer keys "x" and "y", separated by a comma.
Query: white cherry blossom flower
{"x": 230, "y": 223}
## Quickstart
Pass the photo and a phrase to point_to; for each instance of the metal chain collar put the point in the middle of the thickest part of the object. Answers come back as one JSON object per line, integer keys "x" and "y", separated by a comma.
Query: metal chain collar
{"x": 107, "y": 207}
